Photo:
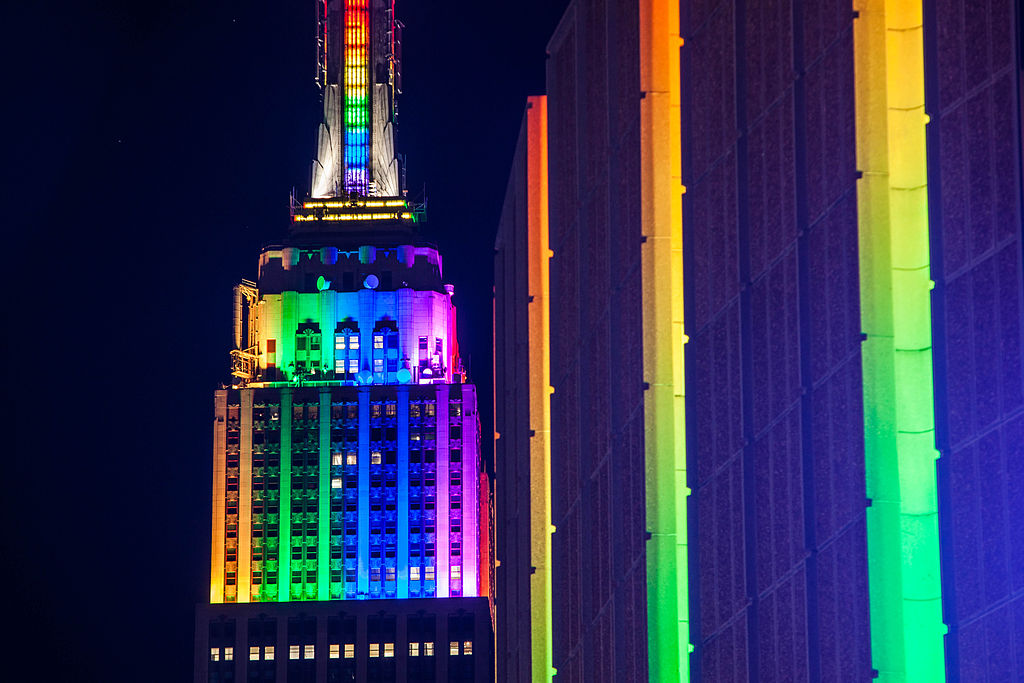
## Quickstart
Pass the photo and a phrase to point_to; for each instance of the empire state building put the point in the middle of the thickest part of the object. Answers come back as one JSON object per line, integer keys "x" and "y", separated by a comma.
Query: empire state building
{"x": 351, "y": 514}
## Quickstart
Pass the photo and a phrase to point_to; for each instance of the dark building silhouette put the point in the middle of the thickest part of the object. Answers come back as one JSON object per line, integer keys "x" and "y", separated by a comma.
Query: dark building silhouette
{"x": 786, "y": 344}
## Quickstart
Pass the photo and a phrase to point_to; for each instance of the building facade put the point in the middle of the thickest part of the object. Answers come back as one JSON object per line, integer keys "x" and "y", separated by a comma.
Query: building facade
{"x": 522, "y": 386}
{"x": 351, "y": 513}
{"x": 786, "y": 341}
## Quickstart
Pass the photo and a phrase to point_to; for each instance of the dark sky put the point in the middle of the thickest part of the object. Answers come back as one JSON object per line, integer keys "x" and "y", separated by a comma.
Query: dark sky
{"x": 151, "y": 148}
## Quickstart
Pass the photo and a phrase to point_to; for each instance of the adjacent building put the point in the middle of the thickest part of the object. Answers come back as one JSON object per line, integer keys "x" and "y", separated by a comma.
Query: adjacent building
{"x": 786, "y": 345}
{"x": 522, "y": 386}
{"x": 351, "y": 512}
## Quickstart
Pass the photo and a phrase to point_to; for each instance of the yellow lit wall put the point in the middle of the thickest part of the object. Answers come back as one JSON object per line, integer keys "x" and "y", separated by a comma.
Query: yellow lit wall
{"x": 903, "y": 541}
{"x": 668, "y": 642}
{"x": 220, "y": 410}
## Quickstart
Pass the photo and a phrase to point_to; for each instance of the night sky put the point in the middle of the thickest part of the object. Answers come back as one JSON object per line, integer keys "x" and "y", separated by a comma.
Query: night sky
{"x": 151, "y": 148}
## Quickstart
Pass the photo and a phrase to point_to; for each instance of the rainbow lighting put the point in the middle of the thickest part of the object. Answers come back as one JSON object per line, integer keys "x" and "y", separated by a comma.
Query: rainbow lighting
{"x": 899, "y": 428}
{"x": 346, "y": 454}
{"x": 668, "y": 607}
{"x": 356, "y": 83}
{"x": 539, "y": 254}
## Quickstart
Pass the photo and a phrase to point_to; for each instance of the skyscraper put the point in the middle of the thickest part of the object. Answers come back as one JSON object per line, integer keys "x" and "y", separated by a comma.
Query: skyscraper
{"x": 350, "y": 517}
{"x": 786, "y": 343}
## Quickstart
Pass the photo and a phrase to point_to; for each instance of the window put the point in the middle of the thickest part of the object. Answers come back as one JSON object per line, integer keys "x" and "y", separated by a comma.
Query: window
{"x": 438, "y": 345}
{"x": 389, "y": 649}
{"x": 307, "y": 351}
{"x": 337, "y": 459}
{"x": 335, "y": 651}
{"x": 254, "y": 653}
{"x": 423, "y": 345}
{"x": 378, "y": 341}
{"x": 414, "y": 649}
{"x": 310, "y": 652}
{"x": 378, "y": 365}
{"x": 353, "y": 365}
{"x": 352, "y": 458}
{"x": 336, "y": 482}
{"x": 214, "y": 654}
{"x": 293, "y": 652}
{"x": 353, "y": 342}
{"x": 414, "y": 573}
{"x": 453, "y": 647}
{"x": 339, "y": 342}
{"x": 350, "y": 650}
{"x": 375, "y": 649}
{"x": 428, "y": 649}
{"x": 429, "y": 571}
{"x": 375, "y": 458}
{"x": 456, "y": 572}
{"x": 467, "y": 647}
{"x": 268, "y": 653}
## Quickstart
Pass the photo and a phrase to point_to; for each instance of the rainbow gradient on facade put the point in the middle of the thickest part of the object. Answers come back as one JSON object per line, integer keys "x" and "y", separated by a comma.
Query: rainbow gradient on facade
{"x": 356, "y": 84}
{"x": 899, "y": 415}
{"x": 668, "y": 601}
{"x": 346, "y": 453}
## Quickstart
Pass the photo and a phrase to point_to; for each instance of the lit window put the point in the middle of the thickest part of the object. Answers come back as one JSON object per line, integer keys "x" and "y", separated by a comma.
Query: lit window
{"x": 268, "y": 653}
{"x": 353, "y": 365}
{"x": 467, "y": 647}
{"x": 414, "y": 649}
{"x": 229, "y": 654}
{"x": 214, "y": 654}
{"x": 389, "y": 574}
{"x": 378, "y": 365}
{"x": 374, "y": 649}
{"x": 456, "y": 572}
{"x": 336, "y": 482}
{"x": 414, "y": 573}
{"x": 254, "y": 653}
{"x": 453, "y": 647}
{"x": 375, "y": 458}
{"x": 339, "y": 342}
{"x": 378, "y": 341}
{"x": 352, "y": 458}
{"x": 428, "y": 649}
{"x": 293, "y": 652}
{"x": 335, "y": 651}
{"x": 350, "y": 650}
{"x": 337, "y": 459}
{"x": 389, "y": 649}
{"x": 310, "y": 651}
{"x": 353, "y": 341}
{"x": 339, "y": 365}
{"x": 429, "y": 573}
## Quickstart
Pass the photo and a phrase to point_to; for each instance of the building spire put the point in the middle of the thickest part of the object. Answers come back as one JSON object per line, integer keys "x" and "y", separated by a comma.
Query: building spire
{"x": 358, "y": 71}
